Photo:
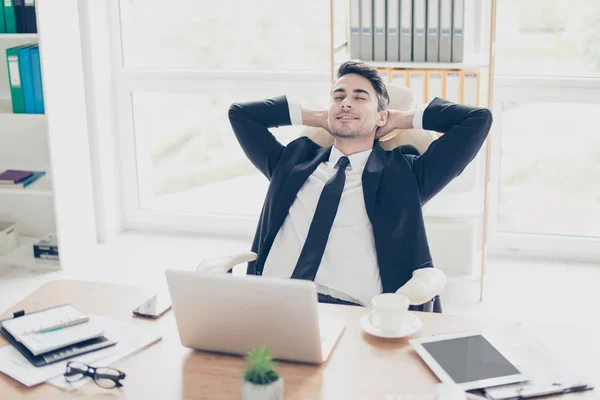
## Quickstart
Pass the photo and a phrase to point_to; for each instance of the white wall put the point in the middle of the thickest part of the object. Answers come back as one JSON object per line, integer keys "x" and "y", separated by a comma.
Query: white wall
{"x": 64, "y": 95}
{"x": 100, "y": 99}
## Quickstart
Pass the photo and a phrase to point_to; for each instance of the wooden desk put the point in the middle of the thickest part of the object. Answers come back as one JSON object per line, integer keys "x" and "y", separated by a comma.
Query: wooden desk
{"x": 360, "y": 367}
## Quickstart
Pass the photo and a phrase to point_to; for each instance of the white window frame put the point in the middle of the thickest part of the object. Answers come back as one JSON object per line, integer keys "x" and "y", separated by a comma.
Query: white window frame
{"x": 130, "y": 80}
{"x": 535, "y": 89}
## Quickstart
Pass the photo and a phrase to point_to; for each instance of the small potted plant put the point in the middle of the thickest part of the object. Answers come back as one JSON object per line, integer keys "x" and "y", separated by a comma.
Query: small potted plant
{"x": 260, "y": 379}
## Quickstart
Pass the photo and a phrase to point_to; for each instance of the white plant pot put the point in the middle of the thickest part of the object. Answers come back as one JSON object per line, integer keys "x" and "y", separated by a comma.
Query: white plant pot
{"x": 274, "y": 391}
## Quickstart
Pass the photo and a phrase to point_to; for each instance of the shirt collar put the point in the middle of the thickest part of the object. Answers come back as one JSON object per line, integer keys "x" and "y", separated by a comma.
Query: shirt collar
{"x": 357, "y": 160}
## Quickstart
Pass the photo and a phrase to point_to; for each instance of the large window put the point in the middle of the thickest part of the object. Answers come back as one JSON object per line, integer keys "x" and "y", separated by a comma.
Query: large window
{"x": 550, "y": 169}
{"x": 548, "y": 38}
{"x": 189, "y": 160}
{"x": 546, "y": 103}
{"x": 227, "y": 35}
{"x": 179, "y": 66}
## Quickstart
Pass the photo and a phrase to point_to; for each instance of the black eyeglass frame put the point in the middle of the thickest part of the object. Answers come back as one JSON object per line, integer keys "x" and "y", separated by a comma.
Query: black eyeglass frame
{"x": 92, "y": 373}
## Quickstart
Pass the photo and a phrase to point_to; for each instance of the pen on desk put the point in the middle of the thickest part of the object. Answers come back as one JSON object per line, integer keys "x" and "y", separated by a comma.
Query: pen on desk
{"x": 560, "y": 391}
{"x": 580, "y": 388}
{"x": 60, "y": 326}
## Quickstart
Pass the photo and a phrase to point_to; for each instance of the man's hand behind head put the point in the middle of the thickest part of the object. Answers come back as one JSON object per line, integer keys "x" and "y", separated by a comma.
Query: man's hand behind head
{"x": 396, "y": 120}
{"x": 316, "y": 118}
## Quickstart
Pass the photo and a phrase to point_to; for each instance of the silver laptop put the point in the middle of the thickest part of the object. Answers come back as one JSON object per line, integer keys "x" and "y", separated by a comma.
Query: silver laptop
{"x": 233, "y": 314}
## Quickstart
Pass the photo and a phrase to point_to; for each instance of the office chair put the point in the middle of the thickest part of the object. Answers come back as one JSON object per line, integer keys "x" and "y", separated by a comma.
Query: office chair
{"x": 401, "y": 98}
{"x": 424, "y": 289}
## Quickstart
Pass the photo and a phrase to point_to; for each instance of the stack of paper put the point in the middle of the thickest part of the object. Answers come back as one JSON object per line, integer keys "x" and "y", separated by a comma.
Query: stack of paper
{"x": 130, "y": 339}
{"x": 534, "y": 359}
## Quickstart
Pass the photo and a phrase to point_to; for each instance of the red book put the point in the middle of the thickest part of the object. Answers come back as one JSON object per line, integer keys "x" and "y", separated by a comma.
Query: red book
{"x": 12, "y": 176}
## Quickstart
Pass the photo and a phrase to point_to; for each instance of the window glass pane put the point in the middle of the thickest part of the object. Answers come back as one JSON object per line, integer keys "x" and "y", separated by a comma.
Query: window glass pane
{"x": 550, "y": 169}
{"x": 548, "y": 37}
{"x": 341, "y": 15}
{"x": 226, "y": 34}
{"x": 188, "y": 158}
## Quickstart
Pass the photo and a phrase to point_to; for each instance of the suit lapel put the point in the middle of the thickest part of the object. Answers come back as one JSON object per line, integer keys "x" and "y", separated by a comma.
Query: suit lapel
{"x": 300, "y": 173}
{"x": 293, "y": 183}
{"x": 371, "y": 176}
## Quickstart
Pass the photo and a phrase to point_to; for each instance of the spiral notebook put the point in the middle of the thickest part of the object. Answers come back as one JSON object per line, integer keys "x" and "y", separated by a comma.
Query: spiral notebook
{"x": 51, "y": 329}
{"x": 63, "y": 353}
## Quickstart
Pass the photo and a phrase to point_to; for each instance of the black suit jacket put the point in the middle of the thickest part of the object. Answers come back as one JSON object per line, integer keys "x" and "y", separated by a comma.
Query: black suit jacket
{"x": 396, "y": 184}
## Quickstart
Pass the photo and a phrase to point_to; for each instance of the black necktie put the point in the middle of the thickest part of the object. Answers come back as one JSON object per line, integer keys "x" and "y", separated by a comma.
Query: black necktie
{"x": 318, "y": 233}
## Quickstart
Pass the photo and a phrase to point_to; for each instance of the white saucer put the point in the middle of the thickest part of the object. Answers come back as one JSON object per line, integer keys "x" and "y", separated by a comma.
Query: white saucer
{"x": 413, "y": 324}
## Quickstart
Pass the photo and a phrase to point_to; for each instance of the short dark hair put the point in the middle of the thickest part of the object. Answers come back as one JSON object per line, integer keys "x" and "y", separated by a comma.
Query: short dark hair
{"x": 362, "y": 69}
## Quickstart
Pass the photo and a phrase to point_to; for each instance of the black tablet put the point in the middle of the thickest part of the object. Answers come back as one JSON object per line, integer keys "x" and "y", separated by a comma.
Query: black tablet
{"x": 470, "y": 360}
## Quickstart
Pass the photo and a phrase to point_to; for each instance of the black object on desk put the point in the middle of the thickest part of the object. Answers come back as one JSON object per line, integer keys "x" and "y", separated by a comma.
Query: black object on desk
{"x": 53, "y": 356}
{"x": 539, "y": 392}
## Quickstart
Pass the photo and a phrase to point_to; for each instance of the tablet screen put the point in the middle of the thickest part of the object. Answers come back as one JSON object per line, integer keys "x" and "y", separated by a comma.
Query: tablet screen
{"x": 469, "y": 359}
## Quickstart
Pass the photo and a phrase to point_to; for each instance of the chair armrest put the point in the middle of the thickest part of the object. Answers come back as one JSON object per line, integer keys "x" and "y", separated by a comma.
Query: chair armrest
{"x": 225, "y": 263}
{"x": 426, "y": 284}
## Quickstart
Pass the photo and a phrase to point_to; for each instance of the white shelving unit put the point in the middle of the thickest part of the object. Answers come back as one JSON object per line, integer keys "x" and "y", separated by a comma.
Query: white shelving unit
{"x": 57, "y": 143}
{"x": 25, "y": 36}
{"x": 6, "y": 114}
{"x": 22, "y": 256}
{"x": 24, "y": 145}
{"x": 41, "y": 187}
{"x": 453, "y": 216}
{"x": 474, "y": 64}
{"x": 471, "y": 61}
{"x": 463, "y": 289}
{"x": 455, "y": 205}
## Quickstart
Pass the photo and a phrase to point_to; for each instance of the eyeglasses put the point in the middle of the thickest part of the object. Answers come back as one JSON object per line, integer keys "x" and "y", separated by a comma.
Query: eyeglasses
{"x": 105, "y": 377}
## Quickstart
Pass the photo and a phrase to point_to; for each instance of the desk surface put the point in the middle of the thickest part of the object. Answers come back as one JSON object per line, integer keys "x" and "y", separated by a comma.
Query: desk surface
{"x": 360, "y": 367}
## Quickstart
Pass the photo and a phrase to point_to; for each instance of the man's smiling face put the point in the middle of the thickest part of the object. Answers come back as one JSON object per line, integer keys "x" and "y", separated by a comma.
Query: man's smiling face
{"x": 353, "y": 108}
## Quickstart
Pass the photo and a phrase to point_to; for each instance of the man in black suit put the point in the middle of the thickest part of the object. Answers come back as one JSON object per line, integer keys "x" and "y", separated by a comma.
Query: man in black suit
{"x": 348, "y": 216}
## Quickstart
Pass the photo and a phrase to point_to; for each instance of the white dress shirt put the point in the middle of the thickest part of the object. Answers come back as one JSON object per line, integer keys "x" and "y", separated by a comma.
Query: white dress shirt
{"x": 349, "y": 269}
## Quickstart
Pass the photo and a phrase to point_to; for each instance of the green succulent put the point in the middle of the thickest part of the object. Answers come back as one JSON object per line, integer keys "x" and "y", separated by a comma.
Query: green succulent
{"x": 261, "y": 368}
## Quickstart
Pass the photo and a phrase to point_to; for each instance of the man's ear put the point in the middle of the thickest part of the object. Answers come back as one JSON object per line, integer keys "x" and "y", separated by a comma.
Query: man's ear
{"x": 383, "y": 116}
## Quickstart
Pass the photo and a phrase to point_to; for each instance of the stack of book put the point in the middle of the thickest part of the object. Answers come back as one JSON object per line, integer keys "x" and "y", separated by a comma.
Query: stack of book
{"x": 407, "y": 30}
{"x": 25, "y": 78}
{"x": 17, "y": 16}
{"x": 19, "y": 178}
{"x": 46, "y": 249}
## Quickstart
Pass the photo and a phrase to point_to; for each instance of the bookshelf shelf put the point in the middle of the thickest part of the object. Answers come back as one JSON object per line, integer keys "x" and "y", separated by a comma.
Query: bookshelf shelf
{"x": 429, "y": 65}
{"x": 7, "y": 113}
{"x": 455, "y": 205}
{"x": 23, "y": 257}
{"x": 41, "y": 187}
{"x": 61, "y": 149}
{"x": 13, "y": 36}
{"x": 471, "y": 61}
{"x": 464, "y": 204}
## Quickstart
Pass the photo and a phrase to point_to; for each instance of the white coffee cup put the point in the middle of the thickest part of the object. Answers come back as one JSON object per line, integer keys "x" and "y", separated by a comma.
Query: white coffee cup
{"x": 391, "y": 310}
